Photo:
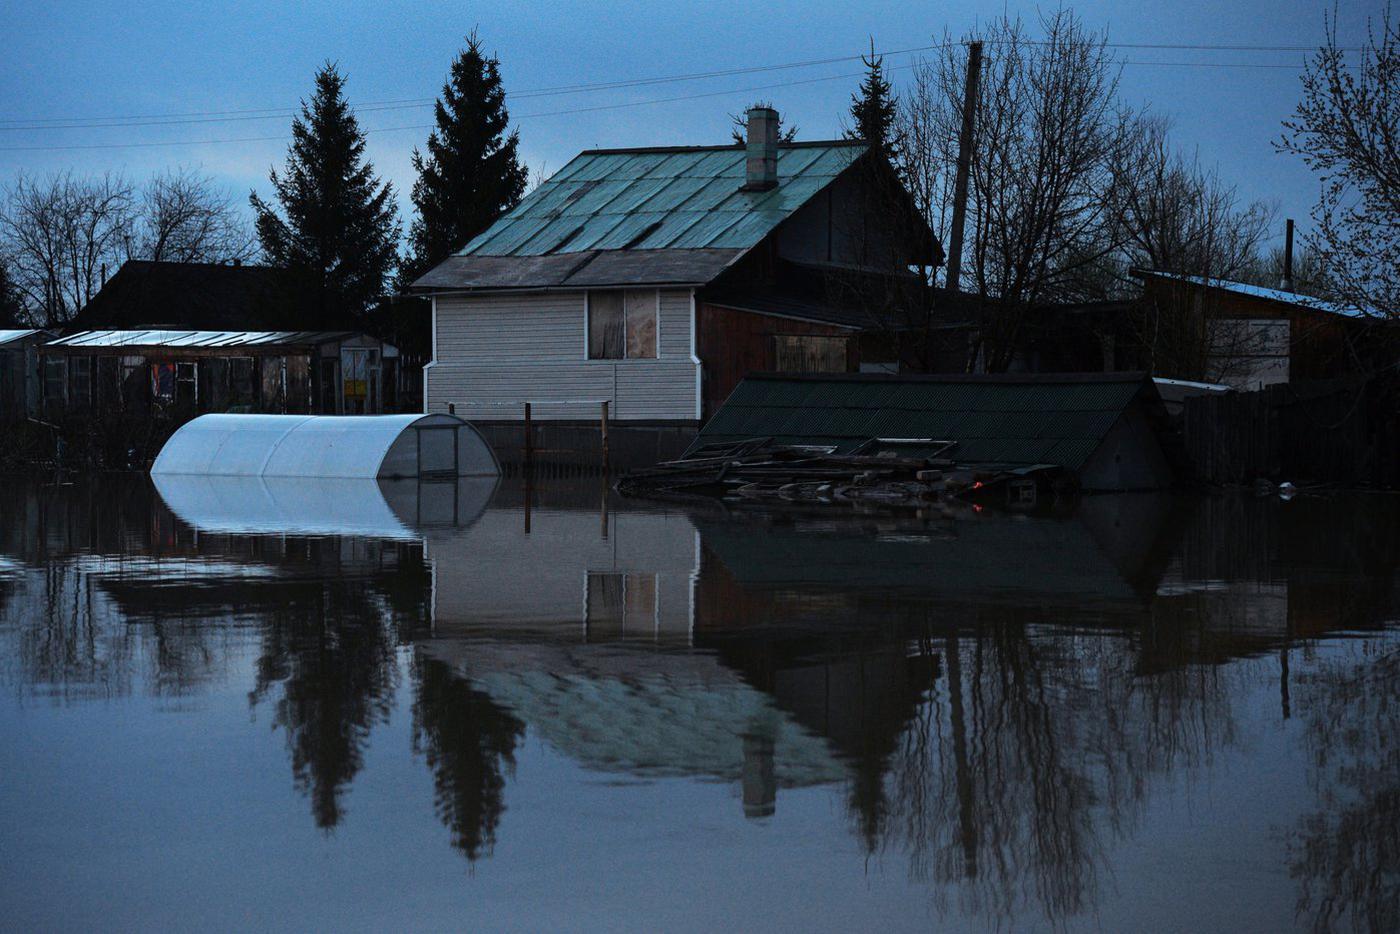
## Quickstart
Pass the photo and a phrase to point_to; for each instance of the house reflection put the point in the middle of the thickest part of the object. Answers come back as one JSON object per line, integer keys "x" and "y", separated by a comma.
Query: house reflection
{"x": 992, "y": 695}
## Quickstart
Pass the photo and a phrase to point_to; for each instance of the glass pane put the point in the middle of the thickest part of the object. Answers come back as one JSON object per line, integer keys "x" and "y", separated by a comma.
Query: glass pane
{"x": 641, "y": 324}
{"x": 354, "y": 370}
{"x": 163, "y": 381}
{"x": 605, "y": 326}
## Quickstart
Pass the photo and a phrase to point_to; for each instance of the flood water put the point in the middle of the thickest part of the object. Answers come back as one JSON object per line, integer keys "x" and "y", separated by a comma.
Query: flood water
{"x": 481, "y": 708}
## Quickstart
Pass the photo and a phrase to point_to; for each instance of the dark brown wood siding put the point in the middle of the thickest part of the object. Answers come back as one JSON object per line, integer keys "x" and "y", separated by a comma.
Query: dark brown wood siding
{"x": 731, "y": 344}
{"x": 1323, "y": 345}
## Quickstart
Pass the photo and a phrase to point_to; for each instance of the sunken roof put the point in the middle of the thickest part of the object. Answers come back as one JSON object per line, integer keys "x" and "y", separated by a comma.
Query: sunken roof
{"x": 641, "y": 217}
{"x": 1011, "y": 419}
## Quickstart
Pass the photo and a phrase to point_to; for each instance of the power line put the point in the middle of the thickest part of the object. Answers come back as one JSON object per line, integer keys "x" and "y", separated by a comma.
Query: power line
{"x": 430, "y": 126}
{"x": 622, "y": 105}
{"x": 270, "y": 113}
{"x": 73, "y": 123}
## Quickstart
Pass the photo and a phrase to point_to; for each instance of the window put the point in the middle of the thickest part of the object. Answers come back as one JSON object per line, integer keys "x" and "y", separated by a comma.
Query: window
{"x": 622, "y": 325}
{"x": 359, "y": 367}
{"x": 618, "y": 603}
{"x": 242, "y": 394}
{"x": 80, "y": 381}
{"x": 794, "y": 353}
{"x": 163, "y": 382}
{"x": 55, "y": 380}
{"x": 135, "y": 383}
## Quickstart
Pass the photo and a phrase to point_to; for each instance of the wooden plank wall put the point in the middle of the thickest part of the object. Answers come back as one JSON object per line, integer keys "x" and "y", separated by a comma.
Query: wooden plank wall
{"x": 1341, "y": 431}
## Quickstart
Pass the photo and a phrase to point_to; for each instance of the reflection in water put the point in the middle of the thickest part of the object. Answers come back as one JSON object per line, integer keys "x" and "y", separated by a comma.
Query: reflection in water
{"x": 1346, "y": 854}
{"x": 331, "y": 667}
{"x": 469, "y": 744}
{"x": 998, "y": 703}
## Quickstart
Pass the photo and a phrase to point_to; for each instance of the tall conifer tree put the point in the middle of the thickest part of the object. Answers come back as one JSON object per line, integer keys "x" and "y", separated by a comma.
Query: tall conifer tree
{"x": 874, "y": 108}
{"x": 471, "y": 173}
{"x": 338, "y": 225}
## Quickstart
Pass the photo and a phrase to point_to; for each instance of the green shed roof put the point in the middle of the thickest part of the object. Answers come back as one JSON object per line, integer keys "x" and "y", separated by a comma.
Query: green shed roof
{"x": 652, "y": 199}
{"x": 1003, "y": 419}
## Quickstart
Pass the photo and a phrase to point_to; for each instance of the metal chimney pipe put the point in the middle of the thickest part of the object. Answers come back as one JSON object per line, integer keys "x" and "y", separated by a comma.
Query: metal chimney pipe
{"x": 1288, "y": 256}
{"x": 761, "y": 151}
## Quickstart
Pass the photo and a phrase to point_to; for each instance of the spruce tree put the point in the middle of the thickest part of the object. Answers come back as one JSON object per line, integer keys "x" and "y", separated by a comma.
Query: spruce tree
{"x": 338, "y": 228}
{"x": 471, "y": 173}
{"x": 874, "y": 109}
{"x": 739, "y": 130}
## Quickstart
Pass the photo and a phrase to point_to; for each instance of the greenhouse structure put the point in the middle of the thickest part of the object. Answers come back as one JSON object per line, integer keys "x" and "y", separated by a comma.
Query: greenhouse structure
{"x": 366, "y": 446}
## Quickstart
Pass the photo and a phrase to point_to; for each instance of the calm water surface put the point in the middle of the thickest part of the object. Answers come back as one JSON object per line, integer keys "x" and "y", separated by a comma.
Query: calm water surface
{"x": 481, "y": 708}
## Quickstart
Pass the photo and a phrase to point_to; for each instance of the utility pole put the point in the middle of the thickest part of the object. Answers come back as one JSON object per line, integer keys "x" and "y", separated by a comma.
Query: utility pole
{"x": 969, "y": 116}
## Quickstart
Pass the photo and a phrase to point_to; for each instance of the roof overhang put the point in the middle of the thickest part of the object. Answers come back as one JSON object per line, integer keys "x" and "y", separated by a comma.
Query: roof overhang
{"x": 589, "y": 269}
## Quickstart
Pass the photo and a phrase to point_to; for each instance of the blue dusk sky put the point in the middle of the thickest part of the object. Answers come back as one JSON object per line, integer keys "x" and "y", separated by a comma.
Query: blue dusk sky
{"x": 89, "y": 62}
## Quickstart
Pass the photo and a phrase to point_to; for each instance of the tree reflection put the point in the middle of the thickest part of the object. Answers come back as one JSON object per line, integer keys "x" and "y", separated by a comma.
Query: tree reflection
{"x": 469, "y": 743}
{"x": 1031, "y": 755}
{"x": 337, "y": 672}
{"x": 1346, "y": 855}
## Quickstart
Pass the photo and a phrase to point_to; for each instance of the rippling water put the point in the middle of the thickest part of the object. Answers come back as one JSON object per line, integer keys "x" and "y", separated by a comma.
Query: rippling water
{"x": 545, "y": 709}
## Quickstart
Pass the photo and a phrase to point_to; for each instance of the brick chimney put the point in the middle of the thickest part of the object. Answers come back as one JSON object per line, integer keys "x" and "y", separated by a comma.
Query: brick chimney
{"x": 761, "y": 153}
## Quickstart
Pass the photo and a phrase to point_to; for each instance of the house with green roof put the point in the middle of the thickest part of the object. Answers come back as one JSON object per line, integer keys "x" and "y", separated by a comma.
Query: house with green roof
{"x": 655, "y": 279}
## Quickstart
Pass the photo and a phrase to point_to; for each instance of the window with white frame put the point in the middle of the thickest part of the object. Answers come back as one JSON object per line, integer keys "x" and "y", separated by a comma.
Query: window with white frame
{"x": 622, "y": 324}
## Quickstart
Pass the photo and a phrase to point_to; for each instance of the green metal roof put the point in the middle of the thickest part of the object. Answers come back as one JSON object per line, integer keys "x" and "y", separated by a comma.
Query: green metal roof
{"x": 1010, "y": 419}
{"x": 655, "y": 199}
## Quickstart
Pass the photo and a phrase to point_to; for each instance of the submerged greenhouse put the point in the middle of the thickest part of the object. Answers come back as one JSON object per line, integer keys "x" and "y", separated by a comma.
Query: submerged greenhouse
{"x": 374, "y": 446}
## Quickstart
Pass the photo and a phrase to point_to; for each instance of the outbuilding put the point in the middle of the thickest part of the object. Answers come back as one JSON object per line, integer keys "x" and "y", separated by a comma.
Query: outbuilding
{"x": 1108, "y": 429}
{"x": 188, "y": 372}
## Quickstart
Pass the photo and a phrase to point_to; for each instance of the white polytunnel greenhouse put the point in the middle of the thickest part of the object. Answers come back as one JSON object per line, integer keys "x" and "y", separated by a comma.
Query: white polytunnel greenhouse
{"x": 341, "y": 446}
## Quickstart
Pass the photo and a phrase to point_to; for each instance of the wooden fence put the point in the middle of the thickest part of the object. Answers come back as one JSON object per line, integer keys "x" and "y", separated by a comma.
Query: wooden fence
{"x": 1341, "y": 431}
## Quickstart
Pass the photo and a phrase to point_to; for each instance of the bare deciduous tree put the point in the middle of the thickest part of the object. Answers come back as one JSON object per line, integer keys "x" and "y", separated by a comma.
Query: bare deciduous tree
{"x": 62, "y": 233}
{"x": 185, "y": 218}
{"x": 1050, "y": 136}
{"x": 1347, "y": 129}
{"x": 1176, "y": 216}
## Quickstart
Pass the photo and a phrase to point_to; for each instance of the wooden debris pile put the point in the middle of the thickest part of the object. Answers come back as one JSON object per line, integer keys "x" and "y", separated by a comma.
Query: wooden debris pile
{"x": 758, "y": 469}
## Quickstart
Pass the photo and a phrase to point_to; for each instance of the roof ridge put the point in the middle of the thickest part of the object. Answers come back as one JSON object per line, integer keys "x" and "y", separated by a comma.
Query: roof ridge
{"x": 736, "y": 147}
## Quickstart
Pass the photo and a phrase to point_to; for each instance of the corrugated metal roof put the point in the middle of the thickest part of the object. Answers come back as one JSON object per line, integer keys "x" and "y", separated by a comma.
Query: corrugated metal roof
{"x": 16, "y": 334}
{"x": 1011, "y": 419}
{"x": 607, "y": 199}
{"x": 152, "y": 338}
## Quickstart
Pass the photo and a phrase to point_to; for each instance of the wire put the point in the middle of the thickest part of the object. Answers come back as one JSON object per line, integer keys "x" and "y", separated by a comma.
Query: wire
{"x": 431, "y": 126}
{"x": 224, "y": 116}
{"x": 219, "y": 116}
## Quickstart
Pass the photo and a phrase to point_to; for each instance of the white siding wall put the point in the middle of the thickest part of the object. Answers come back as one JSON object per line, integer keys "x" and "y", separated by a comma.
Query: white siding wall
{"x": 493, "y": 353}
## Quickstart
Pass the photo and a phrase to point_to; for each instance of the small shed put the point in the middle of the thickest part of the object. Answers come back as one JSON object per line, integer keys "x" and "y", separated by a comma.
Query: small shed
{"x": 1259, "y": 336}
{"x": 1109, "y": 429}
{"x": 327, "y": 446}
{"x": 19, "y": 371}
